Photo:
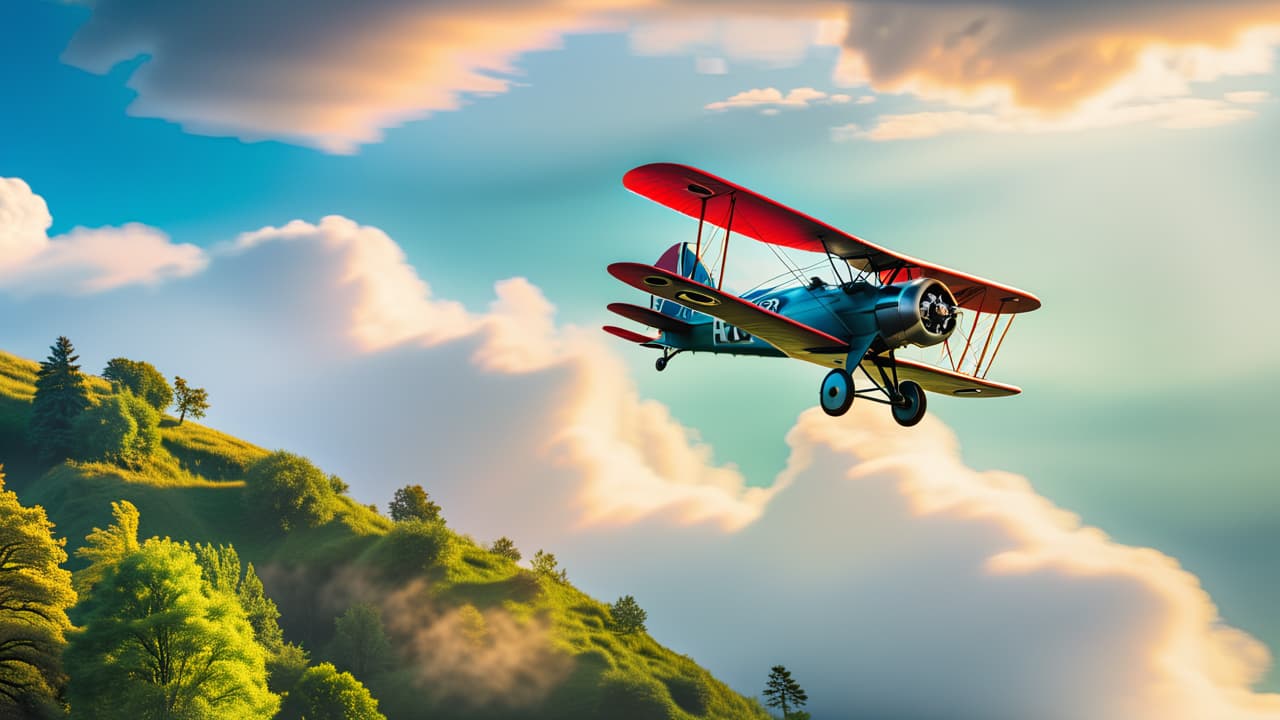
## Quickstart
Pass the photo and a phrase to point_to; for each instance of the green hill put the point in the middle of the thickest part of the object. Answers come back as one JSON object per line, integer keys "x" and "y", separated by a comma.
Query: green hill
{"x": 550, "y": 652}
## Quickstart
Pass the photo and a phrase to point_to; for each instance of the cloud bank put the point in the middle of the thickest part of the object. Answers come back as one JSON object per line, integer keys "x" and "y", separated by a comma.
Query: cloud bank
{"x": 334, "y": 75}
{"x": 894, "y": 580}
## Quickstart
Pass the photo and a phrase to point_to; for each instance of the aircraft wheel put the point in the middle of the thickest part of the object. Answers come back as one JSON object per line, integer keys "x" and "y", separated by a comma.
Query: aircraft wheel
{"x": 660, "y": 364}
{"x": 911, "y": 409}
{"x": 836, "y": 393}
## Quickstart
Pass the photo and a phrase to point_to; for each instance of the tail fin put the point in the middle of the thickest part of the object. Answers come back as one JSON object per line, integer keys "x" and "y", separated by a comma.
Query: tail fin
{"x": 681, "y": 260}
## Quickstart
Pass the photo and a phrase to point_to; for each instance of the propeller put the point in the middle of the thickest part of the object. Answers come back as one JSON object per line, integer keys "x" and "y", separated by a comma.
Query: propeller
{"x": 937, "y": 312}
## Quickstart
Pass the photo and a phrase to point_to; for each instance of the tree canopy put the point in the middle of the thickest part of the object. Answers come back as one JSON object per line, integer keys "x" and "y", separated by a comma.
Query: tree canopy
{"x": 411, "y": 502}
{"x": 61, "y": 395}
{"x": 160, "y": 642}
{"x": 121, "y": 429}
{"x": 505, "y": 547}
{"x": 360, "y": 642}
{"x": 323, "y": 693}
{"x": 415, "y": 545}
{"x": 783, "y": 692}
{"x": 289, "y": 491}
{"x": 627, "y": 615}
{"x": 141, "y": 379}
{"x": 103, "y": 549}
{"x": 544, "y": 564}
{"x": 189, "y": 400}
{"x": 35, "y": 593}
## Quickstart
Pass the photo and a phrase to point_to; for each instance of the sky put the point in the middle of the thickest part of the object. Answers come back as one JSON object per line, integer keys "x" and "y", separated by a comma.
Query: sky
{"x": 377, "y": 234}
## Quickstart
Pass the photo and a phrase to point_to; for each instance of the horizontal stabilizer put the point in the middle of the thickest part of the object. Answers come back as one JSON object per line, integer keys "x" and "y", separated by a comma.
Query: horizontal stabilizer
{"x": 652, "y": 318}
{"x": 628, "y": 335}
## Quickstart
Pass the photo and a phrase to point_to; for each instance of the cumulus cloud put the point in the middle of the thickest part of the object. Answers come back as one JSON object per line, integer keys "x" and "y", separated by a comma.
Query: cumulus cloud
{"x": 85, "y": 260}
{"x": 892, "y": 578}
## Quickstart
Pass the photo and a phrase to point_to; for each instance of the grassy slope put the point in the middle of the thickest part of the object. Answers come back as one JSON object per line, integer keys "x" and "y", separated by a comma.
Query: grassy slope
{"x": 195, "y": 492}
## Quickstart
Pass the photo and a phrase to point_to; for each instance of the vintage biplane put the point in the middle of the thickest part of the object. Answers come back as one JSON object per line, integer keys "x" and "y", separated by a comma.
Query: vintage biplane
{"x": 880, "y": 303}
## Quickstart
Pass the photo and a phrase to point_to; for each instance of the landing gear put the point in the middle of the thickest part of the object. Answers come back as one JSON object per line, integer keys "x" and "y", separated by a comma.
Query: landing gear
{"x": 909, "y": 406}
{"x": 836, "y": 394}
{"x": 660, "y": 364}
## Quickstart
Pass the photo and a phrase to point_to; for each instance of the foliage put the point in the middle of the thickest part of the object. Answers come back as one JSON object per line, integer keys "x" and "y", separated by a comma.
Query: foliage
{"x": 545, "y": 565}
{"x": 158, "y": 642}
{"x": 285, "y": 667}
{"x": 627, "y": 615}
{"x": 411, "y": 502}
{"x": 35, "y": 592}
{"x": 360, "y": 642}
{"x": 289, "y": 491}
{"x": 141, "y": 379}
{"x": 188, "y": 399}
{"x": 415, "y": 545}
{"x": 219, "y": 566}
{"x": 323, "y": 693}
{"x": 60, "y": 397}
{"x": 121, "y": 429}
{"x": 340, "y": 486}
{"x": 631, "y": 696}
{"x": 103, "y": 549}
{"x": 221, "y": 569}
{"x": 783, "y": 692}
{"x": 505, "y": 547}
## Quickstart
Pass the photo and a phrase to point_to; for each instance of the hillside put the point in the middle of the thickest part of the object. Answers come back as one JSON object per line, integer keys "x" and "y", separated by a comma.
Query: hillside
{"x": 549, "y": 652}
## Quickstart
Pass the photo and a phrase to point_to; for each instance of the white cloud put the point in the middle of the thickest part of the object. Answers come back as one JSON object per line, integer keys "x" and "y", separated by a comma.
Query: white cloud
{"x": 1247, "y": 97}
{"x": 773, "y": 98}
{"x": 85, "y": 260}
{"x": 896, "y": 581}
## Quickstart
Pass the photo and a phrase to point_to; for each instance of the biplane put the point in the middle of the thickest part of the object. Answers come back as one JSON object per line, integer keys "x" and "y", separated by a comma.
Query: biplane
{"x": 877, "y": 303}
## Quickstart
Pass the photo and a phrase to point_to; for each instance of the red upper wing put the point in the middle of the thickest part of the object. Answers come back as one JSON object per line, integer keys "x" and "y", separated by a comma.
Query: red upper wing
{"x": 683, "y": 188}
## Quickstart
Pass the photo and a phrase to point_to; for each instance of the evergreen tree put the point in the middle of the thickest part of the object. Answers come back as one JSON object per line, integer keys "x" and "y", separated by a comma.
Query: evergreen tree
{"x": 323, "y": 693}
{"x": 411, "y": 502}
{"x": 360, "y": 641}
{"x": 159, "y": 642}
{"x": 103, "y": 549}
{"x": 505, "y": 547}
{"x": 783, "y": 692}
{"x": 141, "y": 379}
{"x": 627, "y": 615}
{"x": 189, "y": 400}
{"x": 61, "y": 395}
{"x": 35, "y": 592}
{"x": 545, "y": 565}
{"x": 262, "y": 612}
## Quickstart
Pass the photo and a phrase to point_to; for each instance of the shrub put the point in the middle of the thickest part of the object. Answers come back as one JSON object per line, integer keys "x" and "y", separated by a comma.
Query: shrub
{"x": 141, "y": 379}
{"x": 122, "y": 429}
{"x": 290, "y": 491}
{"x": 415, "y": 545}
{"x": 625, "y": 696}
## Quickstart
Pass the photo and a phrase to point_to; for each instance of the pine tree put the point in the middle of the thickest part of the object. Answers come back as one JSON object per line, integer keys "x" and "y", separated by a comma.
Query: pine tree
{"x": 627, "y": 615}
{"x": 61, "y": 395}
{"x": 35, "y": 592}
{"x": 783, "y": 692}
{"x": 188, "y": 399}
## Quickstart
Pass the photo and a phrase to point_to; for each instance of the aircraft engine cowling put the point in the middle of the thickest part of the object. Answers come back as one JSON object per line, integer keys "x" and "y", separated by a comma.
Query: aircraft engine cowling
{"x": 920, "y": 312}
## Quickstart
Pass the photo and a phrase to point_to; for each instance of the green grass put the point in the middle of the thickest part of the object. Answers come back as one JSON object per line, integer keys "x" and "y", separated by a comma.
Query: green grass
{"x": 194, "y": 490}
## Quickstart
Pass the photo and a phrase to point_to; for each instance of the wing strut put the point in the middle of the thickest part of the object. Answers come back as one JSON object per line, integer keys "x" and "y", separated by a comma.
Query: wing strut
{"x": 697, "y": 253}
{"x": 728, "y": 228}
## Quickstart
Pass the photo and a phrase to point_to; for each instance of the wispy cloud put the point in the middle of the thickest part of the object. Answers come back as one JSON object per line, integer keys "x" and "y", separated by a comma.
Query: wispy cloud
{"x": 773, "y": 98}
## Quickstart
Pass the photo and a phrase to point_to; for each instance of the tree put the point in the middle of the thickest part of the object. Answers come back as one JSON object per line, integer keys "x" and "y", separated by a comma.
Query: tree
{"x": 121, "y": 429}
{"x": 627, "y": 615}
{"x": 35, "y": 592}
{"x": 141, "y": 379}
{"x": 360, "y": 641}
{"x": 545, "y": 565}
{"x": 415, "y": 545}
{"x": 103, "y": 549}
{"x": 221, "y": 569}
{"x": 783, "y": 692}
{"x": 323, "y": 693}
{"x": 189, "y": 400}
{"x": 411, "y": 502}
{"x": 289, "y": 491}
{"x": 505, "y": 547}
{"x": 159, "y": 642}
{"x": 61, "y": 395}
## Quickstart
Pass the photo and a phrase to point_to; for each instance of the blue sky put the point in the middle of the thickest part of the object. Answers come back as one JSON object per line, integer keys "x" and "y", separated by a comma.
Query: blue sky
{"x": 1139, "y": 210}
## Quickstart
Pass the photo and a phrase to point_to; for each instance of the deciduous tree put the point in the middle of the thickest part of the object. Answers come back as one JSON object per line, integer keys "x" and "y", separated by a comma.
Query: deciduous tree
{"x": 103, "y": 549}
{"x": 323, "y": 693}
{"x": 189, "y": 400}
{"x": 360, "y": 642}
{"x": 544, "y": 564}
{"x": 289, "y": 490}
{"x": 627, "y": 615}
{"x": 411, "y": 502}
{"x": 505, "y": 547}
{"x": 35, "y": 592}
{"x": 159, "y": 642}
{"x": 61, "y": 395}
{"x": 140, "y": 378}
{"x": 121, "y": 429}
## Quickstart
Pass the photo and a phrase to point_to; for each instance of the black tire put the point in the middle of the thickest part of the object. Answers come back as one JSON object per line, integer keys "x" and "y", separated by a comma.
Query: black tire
{"x": 912, "y": 408}
{"x": 660, "y": 364}
{"x": 835, "y": 395}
